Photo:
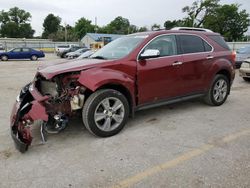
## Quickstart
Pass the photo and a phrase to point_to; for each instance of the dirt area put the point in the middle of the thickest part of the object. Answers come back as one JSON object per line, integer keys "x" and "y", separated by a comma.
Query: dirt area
{"x": 183, "y": 145}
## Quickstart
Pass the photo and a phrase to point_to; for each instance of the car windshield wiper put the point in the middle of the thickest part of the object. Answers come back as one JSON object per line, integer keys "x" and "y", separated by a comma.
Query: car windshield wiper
{"x": 98, "y": 57}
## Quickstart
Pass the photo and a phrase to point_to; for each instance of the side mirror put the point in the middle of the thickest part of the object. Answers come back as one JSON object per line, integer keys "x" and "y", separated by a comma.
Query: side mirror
{"x": 150, "y": 53}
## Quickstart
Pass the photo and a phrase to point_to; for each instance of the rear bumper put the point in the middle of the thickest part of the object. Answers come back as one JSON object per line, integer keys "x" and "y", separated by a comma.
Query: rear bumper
{"x": 27, "y": 108}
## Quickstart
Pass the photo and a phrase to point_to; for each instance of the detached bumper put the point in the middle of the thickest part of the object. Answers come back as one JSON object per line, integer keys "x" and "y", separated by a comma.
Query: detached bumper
{"x": 27, "y": 108}
{"x": 21, "y": 146}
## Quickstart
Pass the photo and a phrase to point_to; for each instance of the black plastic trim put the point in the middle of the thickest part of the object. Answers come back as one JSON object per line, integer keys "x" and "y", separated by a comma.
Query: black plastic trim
{"x": 168, "y": 101}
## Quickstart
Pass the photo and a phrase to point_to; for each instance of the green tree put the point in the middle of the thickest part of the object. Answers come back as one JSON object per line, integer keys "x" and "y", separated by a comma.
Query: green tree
{"x": 155, "y": 27}
{"x": 175, "y": 23}
{"x": 102, "y": 29}
{"x": 70, "y": 32}
{"x": 198, "y": 12}
{"x": 132, "y": 29}
{"x": 82, "y": 27}
{"x": 119, "y": 25}
{"x": 65, "y": 33}
{"x": 51, "y": 25}
{"x": 229, "y": 21}
{"x": 143, "y": 29}
{"x": 15, "y": 23}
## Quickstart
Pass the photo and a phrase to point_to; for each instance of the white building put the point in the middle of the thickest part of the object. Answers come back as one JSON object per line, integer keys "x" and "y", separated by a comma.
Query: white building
{"x": 92, "y": 38}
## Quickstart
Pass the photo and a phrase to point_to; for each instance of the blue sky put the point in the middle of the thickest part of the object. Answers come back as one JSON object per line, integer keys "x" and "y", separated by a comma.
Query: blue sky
{"x": 139, "y": 12}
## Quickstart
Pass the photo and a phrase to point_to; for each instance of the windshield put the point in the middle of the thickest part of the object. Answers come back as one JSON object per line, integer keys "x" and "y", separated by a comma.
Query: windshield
{"x": 119, "y": 48}
{"x": 244, "y": 50}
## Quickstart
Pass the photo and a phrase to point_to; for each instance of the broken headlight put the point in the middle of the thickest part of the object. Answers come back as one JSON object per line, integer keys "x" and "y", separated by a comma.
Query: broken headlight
{"x": 23, "y": 92}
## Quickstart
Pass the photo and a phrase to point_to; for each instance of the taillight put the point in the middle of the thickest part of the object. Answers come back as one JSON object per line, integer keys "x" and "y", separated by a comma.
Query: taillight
{"x": 233, "y": 56}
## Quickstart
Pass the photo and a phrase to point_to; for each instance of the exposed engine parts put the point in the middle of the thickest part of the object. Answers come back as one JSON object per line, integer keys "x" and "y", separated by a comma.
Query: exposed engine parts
{"x": 66, "y": 95}
{"x": 77, "y": 101}
{"x": 52, "y": 101}
{"x": 56, "y": 124}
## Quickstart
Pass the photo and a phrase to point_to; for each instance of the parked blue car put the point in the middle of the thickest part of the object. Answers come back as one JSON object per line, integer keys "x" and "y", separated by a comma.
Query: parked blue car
{"x": 21, "y": 53}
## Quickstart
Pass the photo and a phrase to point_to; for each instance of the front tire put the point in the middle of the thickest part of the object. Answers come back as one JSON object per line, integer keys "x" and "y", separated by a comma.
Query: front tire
{"x": 219, "y": 91}
{"x": 105, "y": 112}
{"x": 34, "y": 58}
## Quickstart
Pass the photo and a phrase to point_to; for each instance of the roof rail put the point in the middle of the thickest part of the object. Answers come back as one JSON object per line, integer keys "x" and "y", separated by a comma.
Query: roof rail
{"x": 192, "y": 29}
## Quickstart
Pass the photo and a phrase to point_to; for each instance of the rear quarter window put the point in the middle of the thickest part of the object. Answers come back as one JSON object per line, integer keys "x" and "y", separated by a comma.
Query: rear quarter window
{"x": 193, "y": 44}
{"x": 219, "y": 40}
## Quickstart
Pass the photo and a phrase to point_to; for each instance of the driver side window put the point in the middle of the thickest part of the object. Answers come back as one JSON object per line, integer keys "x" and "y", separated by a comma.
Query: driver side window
{"x": 165, "y": 44}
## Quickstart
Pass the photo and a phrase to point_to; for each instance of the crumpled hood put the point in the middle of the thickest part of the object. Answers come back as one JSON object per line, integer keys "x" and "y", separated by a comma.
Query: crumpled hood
{"x": 49, "y": 70}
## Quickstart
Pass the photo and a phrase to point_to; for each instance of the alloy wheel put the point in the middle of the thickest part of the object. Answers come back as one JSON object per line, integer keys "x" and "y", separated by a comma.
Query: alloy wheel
{"x": 220, "y": 90}
{"x": 109, "y": 114}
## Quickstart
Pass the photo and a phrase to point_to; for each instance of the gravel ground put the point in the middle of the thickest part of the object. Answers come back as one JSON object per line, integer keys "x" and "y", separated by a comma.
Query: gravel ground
{"x": 183, "y": 145}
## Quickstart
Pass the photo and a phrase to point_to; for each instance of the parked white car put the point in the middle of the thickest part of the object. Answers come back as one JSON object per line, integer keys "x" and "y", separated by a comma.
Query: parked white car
{"x": 86, "y": 54}
{"x": 77, "y": 53}
{"x": 245, "y": 70}
{"x": 242, "y": 54}
{"x": 61, "y": 48}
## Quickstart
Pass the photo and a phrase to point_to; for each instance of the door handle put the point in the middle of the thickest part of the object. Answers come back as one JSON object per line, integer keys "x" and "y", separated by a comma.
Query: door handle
{"x": 177, "y": 63}
{"x": 209, "y": 57}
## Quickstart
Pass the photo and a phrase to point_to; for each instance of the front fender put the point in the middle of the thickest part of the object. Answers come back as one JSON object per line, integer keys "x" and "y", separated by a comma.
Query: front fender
{"x": 95, "y": 78}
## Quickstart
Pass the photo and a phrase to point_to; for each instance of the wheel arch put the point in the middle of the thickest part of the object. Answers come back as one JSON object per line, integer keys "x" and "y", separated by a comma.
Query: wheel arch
{"x": 4, "y": 55}
{"x": 96, "y": 79}
{"x": 122, "y": 89}
{"x": 226, "y": 73}
{"x": 34, "y": 55}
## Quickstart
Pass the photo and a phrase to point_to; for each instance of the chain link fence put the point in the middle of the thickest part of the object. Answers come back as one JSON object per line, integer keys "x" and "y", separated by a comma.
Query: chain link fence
{"x": 49, "y": 46}
{"x": 237, "y": 45}
{"x": 40, "y": 44}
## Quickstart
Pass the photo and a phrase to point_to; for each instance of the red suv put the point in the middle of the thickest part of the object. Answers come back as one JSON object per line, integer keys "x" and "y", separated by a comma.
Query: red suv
{"x": 135, "y": 72}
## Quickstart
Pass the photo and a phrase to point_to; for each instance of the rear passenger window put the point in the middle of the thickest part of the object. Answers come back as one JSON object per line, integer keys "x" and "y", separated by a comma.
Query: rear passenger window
{"x": 26, "y": 49}
{"x": 166, "y": 44}
{"x": 193, "y": 44}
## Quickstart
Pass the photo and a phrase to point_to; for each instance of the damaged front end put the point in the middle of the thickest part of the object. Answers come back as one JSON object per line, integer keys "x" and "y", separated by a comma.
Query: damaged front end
{"x": 51, "y": 101}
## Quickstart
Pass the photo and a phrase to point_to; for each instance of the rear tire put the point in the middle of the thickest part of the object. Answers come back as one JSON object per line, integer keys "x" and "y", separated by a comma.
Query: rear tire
{"x": 218, "y": 91}
{"x": 4, "y": 58}
{"x": 105, "y": 112}
{"x": 246, "y": 79}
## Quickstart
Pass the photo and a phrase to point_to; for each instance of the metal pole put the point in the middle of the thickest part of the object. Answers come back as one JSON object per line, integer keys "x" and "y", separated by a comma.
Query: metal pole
{"x": 95, "y": 24}
{"x": 65, "y": 32}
